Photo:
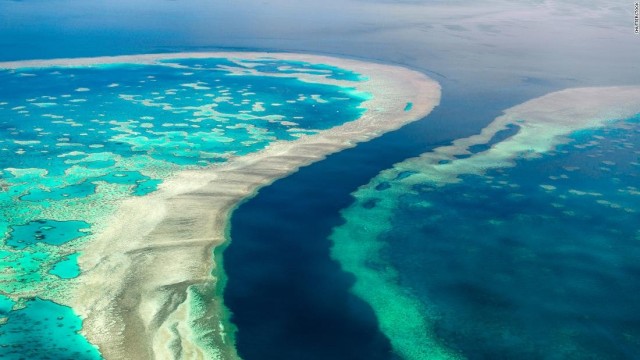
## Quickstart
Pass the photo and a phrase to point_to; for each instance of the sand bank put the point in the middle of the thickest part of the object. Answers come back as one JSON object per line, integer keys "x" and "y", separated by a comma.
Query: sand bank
{"x": 142, "y": 274}
{"x": 543, "y": 123}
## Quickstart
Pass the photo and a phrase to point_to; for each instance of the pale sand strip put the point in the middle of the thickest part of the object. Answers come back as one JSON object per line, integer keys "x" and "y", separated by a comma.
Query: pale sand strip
{"x": 136, "y": 274}
{"x": 543, "y": 122}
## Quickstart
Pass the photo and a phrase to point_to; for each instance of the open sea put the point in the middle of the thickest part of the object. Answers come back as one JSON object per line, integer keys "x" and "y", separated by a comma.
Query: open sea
{"x": 536, "y": 261}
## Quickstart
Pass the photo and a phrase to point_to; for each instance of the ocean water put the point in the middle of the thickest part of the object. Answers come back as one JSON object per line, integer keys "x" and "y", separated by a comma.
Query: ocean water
{"x": 75, "y": 140}
{"x": 43, "y": 329}
{"x": 488, "y": 54}
{"x": 297, "y": 301}
{"x": 534, "y": 261}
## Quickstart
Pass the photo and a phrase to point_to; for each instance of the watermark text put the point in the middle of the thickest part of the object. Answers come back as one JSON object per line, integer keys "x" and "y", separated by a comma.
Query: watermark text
{"x": 636, "y": 17}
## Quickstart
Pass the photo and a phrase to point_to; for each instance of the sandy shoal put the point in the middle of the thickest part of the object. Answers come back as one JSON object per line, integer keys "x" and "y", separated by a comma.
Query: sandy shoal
{"x": 543, "y": 124}
{"x": 134, "y": 291}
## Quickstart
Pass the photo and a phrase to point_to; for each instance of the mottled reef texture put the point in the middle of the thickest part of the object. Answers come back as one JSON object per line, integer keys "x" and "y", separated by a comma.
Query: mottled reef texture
{"x": 143, "y": 275}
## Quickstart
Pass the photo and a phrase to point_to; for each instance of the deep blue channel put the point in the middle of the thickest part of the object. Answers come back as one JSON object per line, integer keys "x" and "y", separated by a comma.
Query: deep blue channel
{"x": 289, "y": 299}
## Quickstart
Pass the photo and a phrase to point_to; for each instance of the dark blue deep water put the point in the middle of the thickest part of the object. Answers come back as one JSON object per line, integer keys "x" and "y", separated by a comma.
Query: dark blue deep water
{"x": 289, "y": 299}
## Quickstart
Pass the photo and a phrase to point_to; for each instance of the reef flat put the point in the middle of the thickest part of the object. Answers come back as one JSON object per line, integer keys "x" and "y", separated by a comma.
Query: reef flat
{"x": 155, "y": 165}
{"x": 416, "y": 205}
{"x": 538, "y": 125}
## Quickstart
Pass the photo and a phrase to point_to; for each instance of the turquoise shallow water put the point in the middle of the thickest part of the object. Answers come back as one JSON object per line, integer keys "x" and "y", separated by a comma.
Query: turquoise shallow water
{"x": 67, "y": 268}
{"x": 535, "y": 261}
{"x": 76, "y": 140}
{"x": 51, "y": 232}
{"x": 44, "y": 330}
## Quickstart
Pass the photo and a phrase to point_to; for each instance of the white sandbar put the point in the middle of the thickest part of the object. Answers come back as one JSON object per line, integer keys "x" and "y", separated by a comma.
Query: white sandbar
{"x": 140, "y": 275}
{"x": 543, "y": 122}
